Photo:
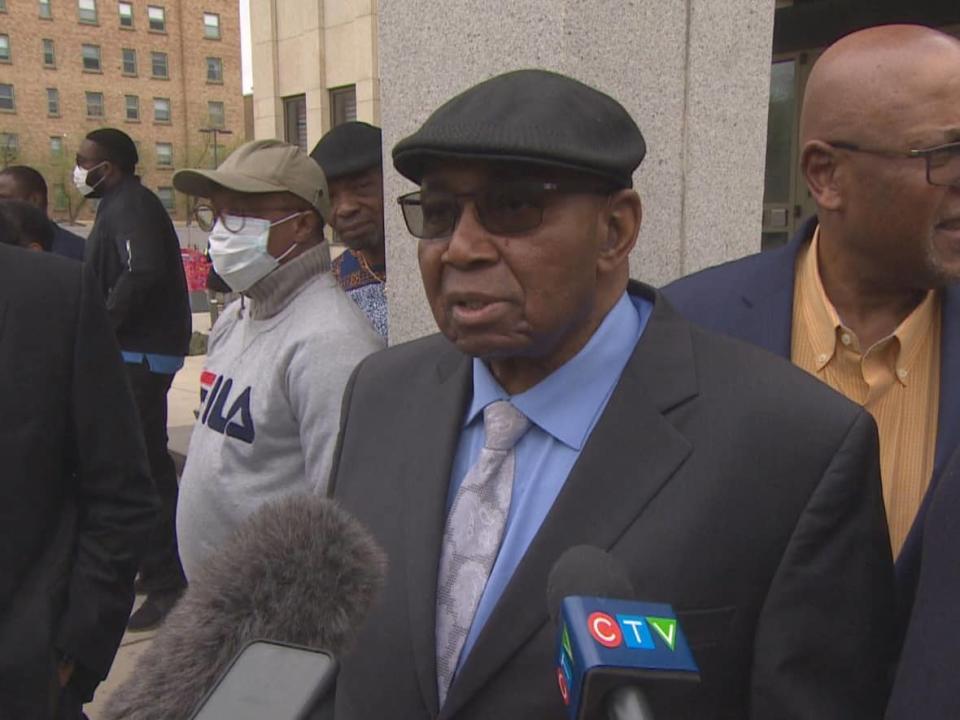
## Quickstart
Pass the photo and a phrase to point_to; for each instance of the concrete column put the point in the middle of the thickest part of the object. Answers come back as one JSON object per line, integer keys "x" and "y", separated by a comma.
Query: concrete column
{"x": 693, "y": 73}
{"x": 267, "y": 110}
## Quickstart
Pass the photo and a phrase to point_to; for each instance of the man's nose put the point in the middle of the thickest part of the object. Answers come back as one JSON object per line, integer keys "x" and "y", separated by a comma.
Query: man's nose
{"x": 470, "y": 243}
{"x": 345, "y": 204}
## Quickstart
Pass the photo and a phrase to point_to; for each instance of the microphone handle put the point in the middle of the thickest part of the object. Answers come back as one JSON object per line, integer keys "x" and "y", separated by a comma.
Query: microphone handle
{"x": 627, "y": 702}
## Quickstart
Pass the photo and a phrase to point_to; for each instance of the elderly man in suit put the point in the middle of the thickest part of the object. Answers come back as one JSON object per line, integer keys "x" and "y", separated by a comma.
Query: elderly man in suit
{"x": 563, "y": 405}
{"x": 77, "y": 500}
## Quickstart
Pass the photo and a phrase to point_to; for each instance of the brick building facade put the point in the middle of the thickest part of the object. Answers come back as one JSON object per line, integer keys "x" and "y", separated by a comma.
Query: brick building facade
{"x": 160, "y": 70}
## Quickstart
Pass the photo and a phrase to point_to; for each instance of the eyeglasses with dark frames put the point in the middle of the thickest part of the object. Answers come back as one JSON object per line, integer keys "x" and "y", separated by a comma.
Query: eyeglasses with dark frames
{"x": 508, "y": 208}
{"x": 943, "y": 161}
{"x": 207, "y": 216}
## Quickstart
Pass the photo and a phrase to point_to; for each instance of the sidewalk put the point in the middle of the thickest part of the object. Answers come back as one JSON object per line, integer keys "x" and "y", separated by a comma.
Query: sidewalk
{"x": 183, "y": 399}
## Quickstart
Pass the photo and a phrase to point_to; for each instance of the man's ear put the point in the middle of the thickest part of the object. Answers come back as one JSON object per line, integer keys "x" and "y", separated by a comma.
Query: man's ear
{"x": 38, "y": 199}
{"x": 623, "y": 215}
{"x": 307, "y": 228}
{"x": 820, "y": 164}
{"x": 33, "y": 247}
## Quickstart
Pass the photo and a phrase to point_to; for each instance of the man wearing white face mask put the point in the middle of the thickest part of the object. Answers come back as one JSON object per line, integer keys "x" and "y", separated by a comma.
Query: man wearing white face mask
{"x": 279, "y": 358}
{"x": 134, "y": 251}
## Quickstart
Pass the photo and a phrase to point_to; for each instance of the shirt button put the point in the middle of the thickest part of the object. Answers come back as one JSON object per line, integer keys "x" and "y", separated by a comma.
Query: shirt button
{"x": 902, "y": 373}
{"x": 822, "y": 358}
{"x": 846, "y": 339}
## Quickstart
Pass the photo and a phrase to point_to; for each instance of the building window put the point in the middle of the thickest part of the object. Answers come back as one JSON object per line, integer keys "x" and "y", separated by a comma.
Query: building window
{"x": 214, "y": 70}
{"x": 161, "y": 110}
{"x": 91, "y": 58}
{"x": 43, "y": 8}
{"x": 9, "y": 147}
{"x": 158, "y": 65}
{"x": 211, "y": 26}
{"x": 94, "y": 104}
{"x": 87, "y": 11}
{"x": 3, "y": 5}
{"x": 157, "y": 17}
{"x": 56, "y": 147}
{"x": 132, "y": 105}
{"x": 53, "y": 102}
{"x": 60, "y": 199}
{"x": 164, "y": 153}
{"x": 129, "y": 56}
{"x": 215, "y": 114}
{"x": 7, "y": 101}
{"x": 343, "y": 105}
{"x": 126, "y": 14}
{"x": 4, "y": 48}
{"x": 167, "y": 198}
{"x": 295, "y": 120}
{"x": 49, "y": 55}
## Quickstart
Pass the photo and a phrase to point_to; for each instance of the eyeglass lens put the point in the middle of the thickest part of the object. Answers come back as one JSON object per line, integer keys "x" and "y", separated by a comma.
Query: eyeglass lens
{"x": 205, "y": 217}
{"x": 506, "y": 209}
{"x": 943, "y": 166}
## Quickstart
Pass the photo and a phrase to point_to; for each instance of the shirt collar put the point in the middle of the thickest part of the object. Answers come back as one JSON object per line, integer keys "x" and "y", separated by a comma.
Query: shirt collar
{"x": 822, "y": 318}
{"x": 916, "y": 328}
{"x": 566, "y": 403}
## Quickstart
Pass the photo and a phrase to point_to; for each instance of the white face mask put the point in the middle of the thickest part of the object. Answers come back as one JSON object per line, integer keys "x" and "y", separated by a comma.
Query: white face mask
{"x": 241, "y": 258}
{"x": 80, "y": 179}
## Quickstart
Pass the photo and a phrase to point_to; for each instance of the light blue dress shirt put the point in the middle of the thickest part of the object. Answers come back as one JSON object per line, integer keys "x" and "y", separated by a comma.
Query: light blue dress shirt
{"x": 161, "y": 364}
{"x": 563, "y": 409}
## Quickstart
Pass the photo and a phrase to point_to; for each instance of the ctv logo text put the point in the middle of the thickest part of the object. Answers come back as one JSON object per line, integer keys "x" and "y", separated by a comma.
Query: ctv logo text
{"x": 631, "y": 630}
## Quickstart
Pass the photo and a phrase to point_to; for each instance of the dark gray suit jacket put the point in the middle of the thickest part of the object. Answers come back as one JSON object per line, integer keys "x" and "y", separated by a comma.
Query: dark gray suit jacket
{"x": 728, "y": 483}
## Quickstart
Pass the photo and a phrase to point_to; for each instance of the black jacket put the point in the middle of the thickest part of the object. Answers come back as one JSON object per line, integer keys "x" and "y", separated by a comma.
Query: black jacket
{"x": 135, "y": 253}
{"x": 76, "y": 500}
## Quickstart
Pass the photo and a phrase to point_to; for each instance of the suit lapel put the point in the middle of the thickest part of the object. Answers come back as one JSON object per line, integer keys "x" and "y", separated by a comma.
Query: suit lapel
{"x": 438, "y": 415}
{"x": 948, "y": 425}
{"x": 765, "y": 317}
{"x": 631, "y": 453}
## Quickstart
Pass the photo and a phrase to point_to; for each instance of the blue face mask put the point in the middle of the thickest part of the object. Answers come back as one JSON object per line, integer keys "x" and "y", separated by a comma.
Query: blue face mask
{"x": 241, "y": 258}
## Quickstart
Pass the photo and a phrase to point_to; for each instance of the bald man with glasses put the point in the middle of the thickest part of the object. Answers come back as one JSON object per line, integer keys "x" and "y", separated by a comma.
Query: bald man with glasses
{"x": 866, "y": 297}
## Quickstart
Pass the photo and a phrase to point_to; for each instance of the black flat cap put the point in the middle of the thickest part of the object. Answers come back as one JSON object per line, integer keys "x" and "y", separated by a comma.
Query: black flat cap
{"x": 532, "y": 116}
{"x": 349, "y": 148}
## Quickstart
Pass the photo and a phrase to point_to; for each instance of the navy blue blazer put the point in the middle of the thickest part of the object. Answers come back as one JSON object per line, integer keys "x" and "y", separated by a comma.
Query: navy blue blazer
{"x": 66, "y": 243}
{"x": 752, "y": 299}
{"x": 926, "y": 686}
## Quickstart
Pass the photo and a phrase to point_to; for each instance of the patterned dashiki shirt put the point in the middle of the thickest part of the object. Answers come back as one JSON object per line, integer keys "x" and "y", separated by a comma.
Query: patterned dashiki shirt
{"x": 363, "y": 288}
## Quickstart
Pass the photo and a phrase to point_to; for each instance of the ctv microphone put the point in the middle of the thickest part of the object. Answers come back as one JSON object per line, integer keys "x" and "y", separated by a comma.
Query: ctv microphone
{"x": 608, "y": 649}
{"x": 300, "y": 571}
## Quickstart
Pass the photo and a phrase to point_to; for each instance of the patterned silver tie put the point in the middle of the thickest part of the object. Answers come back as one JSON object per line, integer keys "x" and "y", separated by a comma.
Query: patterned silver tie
{"x": 473, "y": 533}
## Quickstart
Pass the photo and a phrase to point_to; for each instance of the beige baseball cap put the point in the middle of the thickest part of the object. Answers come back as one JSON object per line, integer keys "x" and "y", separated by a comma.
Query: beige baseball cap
{"x": 262, "y": 166}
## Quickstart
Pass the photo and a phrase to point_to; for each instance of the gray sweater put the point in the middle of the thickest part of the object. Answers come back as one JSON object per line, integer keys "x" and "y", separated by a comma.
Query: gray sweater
{"x": 270, "y": 393}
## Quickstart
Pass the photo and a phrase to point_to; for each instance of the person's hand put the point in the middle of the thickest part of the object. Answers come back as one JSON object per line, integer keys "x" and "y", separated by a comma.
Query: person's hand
{"x": 65, "y": 672}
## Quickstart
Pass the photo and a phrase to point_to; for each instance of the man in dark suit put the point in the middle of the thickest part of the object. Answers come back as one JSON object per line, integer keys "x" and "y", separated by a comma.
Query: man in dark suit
{"x": 20, "y": 182}
{"x": 880, "y": 264}
{"x": 564, "y": 405}
{"x": 77, "y": 500}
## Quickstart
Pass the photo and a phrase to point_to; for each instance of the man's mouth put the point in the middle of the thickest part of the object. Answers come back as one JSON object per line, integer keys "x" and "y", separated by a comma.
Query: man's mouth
{"x": 476, "y": 309}
{"x": 949, "y": 225}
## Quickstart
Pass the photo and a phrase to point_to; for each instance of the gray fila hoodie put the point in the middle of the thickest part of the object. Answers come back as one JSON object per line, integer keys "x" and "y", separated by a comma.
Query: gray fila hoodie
{"x": 270, "y": 400}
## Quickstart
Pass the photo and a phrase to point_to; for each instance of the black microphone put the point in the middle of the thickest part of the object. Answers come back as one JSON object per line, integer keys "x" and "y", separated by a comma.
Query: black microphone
{"x": 610, "y": 647}
{"x": 299, "y": 571}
